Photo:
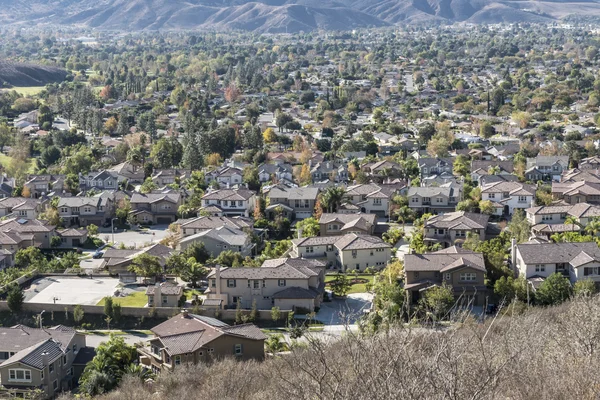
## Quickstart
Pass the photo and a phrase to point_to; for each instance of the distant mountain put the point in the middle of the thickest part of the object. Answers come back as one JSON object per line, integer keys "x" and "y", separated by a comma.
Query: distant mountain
{"x": 275, "y": 16}
{"x": 17, "y": 74}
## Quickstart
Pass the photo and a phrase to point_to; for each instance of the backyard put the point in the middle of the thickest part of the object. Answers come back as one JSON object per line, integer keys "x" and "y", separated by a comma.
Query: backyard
{"x": 134, "y": 299}
{"x": 360, "y": 282}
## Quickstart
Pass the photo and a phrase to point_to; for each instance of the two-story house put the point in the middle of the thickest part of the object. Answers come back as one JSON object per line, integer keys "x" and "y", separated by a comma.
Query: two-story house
{"x": 38, "y": 232}
{"x": 40, "y": 185}
{"x": 297, "y": 203}
{"x": 349, "y": 252}
{"x": 275, "y": 172}
{"x": 21, "y": 207}
{"x": 226, "y": 176}
{"x": 383, "y": 169}
{"x": 129, "y": 172}
{"x": 220, "y": 239}
{"x": 480, "y": 168}
{"x": 452, "y": 228}
{"x": 577, "y": 175}
{"x": 196, "y": 225}
{"x": 434, "y": 166}
{"x": 117, "y": 261}
{"x": 433, "y": 199}
{"x": 506, "y": 197}
{"x": 342, "y": 223}
{"x": 328, "y": 171}
{"x": 155, "y": 208}
{"x": 164, "y": 294}
{"x": 103, "y": 180}
{"x": 164, "y": 177}
{"x": 191, "y": 339}
{"x": 39, "y": 359}
{"x": 459, "y": 268}
{"x": 546, "y": 168}
{"x": 287, "y": 283}
{"x": 230, "y": 202}
{"x": 372, "y": 198}
{"x": 589, "y": 163}
{"x": 574, "y": 260}
{"x": 83, "y": 211}
{"x": 576, "y": 192}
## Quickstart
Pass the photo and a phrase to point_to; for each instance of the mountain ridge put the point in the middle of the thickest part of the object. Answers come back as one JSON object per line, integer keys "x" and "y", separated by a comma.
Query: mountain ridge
{"x": 276, "y": 16}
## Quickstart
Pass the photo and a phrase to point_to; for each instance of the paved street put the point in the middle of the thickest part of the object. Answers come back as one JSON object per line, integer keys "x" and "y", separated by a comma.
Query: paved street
{"x": 136, "y": 238}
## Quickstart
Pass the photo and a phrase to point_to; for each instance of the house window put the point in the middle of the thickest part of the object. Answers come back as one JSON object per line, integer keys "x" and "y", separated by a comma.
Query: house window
{"x": 281, "y": 282}
{"x": 447, "y": 276}
{"x": 230, "y": 283}
{"x": 461, "y": 233}
{"x": 42, "y": 374}
{"x": 256, "y": 284}
{"x": 439, "y": 200}
{"x": 240, "y": 203}
{"x": 354, "y": 253}
{"x": 211, "y": 350}
{"x": 64, "y": 209}
{"x": 357, "y": 266}
{"x": 87, "y": 210}
{"x": 51, "y": 368}
{"x": 491, "y": 195}
{"x": 264, "y": 283}
{"x": 590, "y": 271}
{"x": 213, "y": 283}
{"x": 22, "y": 213}
{"x": 177, "y": 360}
{"x": 75, "y": 209}
{"x": 540, "y": 268}
{"x": 546, "y": 217}
{"x": 55, "y": 385}
{"x": 377, "y": 202}
{"x": 468, "y": 276}
{"x": 238, "y": 350}
{"x": 165, "y": 300}
{"x": 440, "y": 231}
{"x": 64, "y": 360}
{"x": 416, "y": 274}
{"x": 329, "y": 247}
{"x": 522, "y": 199}
{"x": 414, "y": 200}
{"x": 310, "y": 249}
{"x": 19, "y": 375}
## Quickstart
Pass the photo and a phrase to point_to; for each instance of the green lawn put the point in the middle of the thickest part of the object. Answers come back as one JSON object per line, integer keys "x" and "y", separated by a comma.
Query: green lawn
{"x": 28, "y": 90}
{"x": 136, "y": 299}
{"x": 5, "y": 162}
{"x": 356, "y": 288}
{"x": 189, "y": 293}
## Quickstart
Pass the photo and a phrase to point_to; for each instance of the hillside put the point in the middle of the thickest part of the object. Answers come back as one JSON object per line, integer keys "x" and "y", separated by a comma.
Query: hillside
{"x": 273, "y": 16}
{"x": 30, "y": 75}
{"x": 546, "y": 354}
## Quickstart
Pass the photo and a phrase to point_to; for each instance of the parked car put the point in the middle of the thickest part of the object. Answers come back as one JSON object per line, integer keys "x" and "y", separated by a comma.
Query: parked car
{"x": 98, "y": 254}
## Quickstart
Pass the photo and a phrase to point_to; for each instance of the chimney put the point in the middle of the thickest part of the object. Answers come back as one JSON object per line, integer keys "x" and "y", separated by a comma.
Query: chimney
{"x": 157, "y": 295}
{"x": 218, "y": 279}
{"x": 513, "y": 252}
{"x": 44, "y": 366}
{"x": 299, "y": 233}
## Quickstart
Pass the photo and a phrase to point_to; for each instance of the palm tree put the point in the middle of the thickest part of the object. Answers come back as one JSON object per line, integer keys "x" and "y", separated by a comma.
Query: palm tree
{"x": 593, "y": 227}
{"x": 332, "y": 198}
{"x": 403, "y": 214}
{"x": 570, "y": 220}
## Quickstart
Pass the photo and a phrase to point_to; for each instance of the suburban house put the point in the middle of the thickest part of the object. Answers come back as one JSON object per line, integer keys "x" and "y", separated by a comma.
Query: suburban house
{"x": 460, "y": 268}
{"x": 590, "y": 163}
{"x": 39, "y": 359}
{"x": 7, "y": 186}
{"x": 383, "y": 169}
{"x": 452, "y": 228}
{"x": 372, "y": 198}
{"x": 164, "y": 177}
{"x": 128, "y": 172}
{"x": 83, "y": 211}
{"x": 576, "y": 192}
{"x": 297, "y": 203}
{"x": 40, "y": 185}
{"x": 155, "y": 208}
{"x": 116, "y": 261}
{"x": 480, "y": 168}
{"x": 35, "y": 230}
{"x": 328, "y": 171}
{"x": 103, "y": 180}
{"x": 341, "y": 223}
{"x": 21, "y": 207}
{"x": 434, "y": 166}
{"x": 226, "y": 176}
{"x": 287, "y": 283}
{"x": 217, "y": 240}
{"x": 546, "y": 168}
{"x": 230, "y": 202}
{"x": 275, "y": 172}
{"x": 433, "y": 199}
{"x": 574, "y": 260}
{"x": 349, "y": 252}
{"x": 195, "y": 225}
{"x": 72, "y": 237}
{"x": 508, "y": 196}
{"x": 583, "y": 212}
{"x": 577, "y": 175}
{"x": 190, "y": 339}
{"x": 164, "y": 294}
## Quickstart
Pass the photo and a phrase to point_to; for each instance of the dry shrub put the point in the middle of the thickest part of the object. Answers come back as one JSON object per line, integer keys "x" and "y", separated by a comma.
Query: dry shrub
{"x": 543, "y": 354}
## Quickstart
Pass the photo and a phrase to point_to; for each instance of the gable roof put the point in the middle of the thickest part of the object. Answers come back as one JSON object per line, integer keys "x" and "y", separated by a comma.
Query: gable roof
{"x": 458, "y": 220}
{"x": 444, "y": 260}
{"x": 550, "y": 253}
{"x": 360, "y": 221}
{"x": 228, "y": 194}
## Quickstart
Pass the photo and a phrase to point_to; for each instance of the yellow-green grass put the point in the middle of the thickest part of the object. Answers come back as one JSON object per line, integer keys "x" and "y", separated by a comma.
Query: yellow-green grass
{"x": 5, "y": 162}
{"x": 358, "y": 287}
{"x": 27, "y": 90}
{"x": 189, "y": 293}
{"x": 136, "y": 299}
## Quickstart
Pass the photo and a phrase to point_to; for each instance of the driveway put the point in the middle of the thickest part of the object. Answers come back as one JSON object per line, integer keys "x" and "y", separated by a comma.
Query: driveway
{"x": 136, "y": 238}
{"x": 340, "y": 312}
{"x": 131, "y": 337}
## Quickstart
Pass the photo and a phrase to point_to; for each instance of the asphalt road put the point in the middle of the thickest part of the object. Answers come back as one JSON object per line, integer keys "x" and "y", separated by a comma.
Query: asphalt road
{"x": 136, "y": 238}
